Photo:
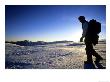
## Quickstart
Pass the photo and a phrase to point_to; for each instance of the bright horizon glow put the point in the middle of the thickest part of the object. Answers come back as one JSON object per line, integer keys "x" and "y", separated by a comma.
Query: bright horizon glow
{"x": 50, "y": 23}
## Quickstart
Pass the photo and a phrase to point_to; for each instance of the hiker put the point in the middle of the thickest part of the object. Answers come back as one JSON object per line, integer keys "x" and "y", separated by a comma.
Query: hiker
{"x": 91, "y": 39}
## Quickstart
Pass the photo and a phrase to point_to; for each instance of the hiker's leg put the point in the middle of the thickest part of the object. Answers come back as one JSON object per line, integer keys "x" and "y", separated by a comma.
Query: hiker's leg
{"x": 94, "y": 53}
{"x": 89, "y": 52}
{"x": 98, "y": 57}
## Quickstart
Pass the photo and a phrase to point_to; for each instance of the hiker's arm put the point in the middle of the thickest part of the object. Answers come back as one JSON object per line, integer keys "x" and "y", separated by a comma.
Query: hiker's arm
{"x": 85, "y": 26}
{"x": 84, "y": 30}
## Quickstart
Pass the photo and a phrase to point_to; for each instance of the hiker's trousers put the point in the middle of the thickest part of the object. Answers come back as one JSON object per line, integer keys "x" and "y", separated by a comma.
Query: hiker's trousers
{"x": 89, "y": 49}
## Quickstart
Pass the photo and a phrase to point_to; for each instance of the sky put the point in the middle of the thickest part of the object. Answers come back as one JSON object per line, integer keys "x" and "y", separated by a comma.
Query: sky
{"x": 50, "y": 22}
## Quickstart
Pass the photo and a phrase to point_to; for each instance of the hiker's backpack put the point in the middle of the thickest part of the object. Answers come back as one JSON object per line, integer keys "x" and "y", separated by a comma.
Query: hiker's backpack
{"x": 94, "y": 27}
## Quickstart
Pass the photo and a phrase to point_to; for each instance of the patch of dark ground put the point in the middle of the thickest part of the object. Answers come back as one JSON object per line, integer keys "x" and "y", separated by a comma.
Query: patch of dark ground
{"x": 17, "y": 65}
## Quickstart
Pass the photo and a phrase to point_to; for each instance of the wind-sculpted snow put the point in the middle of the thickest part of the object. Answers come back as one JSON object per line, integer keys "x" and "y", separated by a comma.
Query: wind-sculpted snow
{"x": 51, "y": 56}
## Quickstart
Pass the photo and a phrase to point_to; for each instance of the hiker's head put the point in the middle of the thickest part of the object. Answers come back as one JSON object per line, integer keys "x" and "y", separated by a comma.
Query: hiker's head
{"x": 81, "y": 19}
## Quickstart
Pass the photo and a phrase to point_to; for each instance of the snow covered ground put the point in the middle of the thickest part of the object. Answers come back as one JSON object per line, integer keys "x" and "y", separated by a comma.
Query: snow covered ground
{"x": 51, "y": 56}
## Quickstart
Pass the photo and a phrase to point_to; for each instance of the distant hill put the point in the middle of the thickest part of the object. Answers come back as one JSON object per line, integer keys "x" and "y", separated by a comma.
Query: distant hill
{"x": 64, "y": 41}
{"x": 27, "y": 43}
{"x": 102, "y": 41}
{"x": 30, "y": 43}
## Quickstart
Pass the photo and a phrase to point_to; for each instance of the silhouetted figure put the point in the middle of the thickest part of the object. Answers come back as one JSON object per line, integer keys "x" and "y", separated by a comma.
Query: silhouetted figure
{"x": 91, "y": 39}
